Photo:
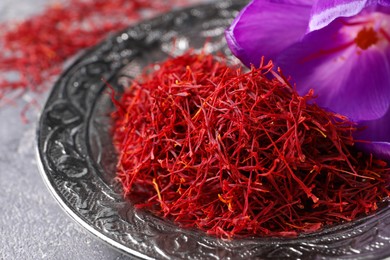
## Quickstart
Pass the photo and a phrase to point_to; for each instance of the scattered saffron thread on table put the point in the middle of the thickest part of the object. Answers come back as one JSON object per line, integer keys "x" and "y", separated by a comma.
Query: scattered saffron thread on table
{"x": 238, "y": 154}
{"x": 35, "y": 49}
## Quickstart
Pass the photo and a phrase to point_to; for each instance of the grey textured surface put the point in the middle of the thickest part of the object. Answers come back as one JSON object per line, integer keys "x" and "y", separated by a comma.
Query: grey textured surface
{"x": 32, "y": 224}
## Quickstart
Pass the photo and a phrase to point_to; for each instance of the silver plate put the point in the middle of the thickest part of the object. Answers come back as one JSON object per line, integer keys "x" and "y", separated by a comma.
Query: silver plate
{"x": 77, "y": 160}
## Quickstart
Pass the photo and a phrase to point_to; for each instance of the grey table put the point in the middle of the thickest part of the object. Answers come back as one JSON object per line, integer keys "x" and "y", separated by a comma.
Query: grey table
{"x": 32, "y": 224}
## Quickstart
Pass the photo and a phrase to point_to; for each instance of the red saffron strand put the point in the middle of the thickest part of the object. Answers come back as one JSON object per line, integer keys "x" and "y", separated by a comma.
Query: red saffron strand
{"x": 238, "y": 154}
{"x": 35, "y": 49}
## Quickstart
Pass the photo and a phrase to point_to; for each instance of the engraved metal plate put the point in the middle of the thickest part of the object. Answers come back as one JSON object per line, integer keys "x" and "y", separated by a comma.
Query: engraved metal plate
{"x": 77, "y": 159}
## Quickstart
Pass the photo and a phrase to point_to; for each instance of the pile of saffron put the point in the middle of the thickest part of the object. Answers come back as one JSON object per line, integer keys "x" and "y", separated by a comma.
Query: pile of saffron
{"x": 237, "y": 154}
{"x": 35, "y": 49}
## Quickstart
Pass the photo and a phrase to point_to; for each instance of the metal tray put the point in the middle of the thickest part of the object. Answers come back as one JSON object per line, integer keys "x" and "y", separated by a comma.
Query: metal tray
{"x": 77, "y": 159}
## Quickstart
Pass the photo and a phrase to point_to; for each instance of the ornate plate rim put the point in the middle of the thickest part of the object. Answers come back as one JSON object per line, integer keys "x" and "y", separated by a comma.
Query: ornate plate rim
{"x": 42, "y": 165}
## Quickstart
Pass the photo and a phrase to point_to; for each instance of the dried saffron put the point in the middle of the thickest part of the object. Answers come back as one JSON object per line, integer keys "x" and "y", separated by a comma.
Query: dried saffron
{"x": 35, "y": 49}
{"x": 238, "y": 154}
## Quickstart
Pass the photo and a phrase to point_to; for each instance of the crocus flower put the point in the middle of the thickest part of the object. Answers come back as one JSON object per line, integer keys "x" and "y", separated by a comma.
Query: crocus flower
{"x": 339, "y": 48}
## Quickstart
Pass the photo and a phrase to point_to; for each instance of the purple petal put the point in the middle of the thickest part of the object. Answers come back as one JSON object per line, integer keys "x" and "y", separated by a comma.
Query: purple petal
{"x": 347, "y": 80}
{"x": 379, "y": 149}
{"x": 324, "y": 12}
{"x": 265, "y": 28}
{"x": 378, "y": 132}
{"x": 384, "y": 2}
